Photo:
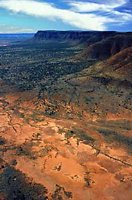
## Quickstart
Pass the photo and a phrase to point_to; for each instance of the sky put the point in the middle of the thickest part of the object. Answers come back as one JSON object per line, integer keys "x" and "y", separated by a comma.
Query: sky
{"x": 21, "y": 16}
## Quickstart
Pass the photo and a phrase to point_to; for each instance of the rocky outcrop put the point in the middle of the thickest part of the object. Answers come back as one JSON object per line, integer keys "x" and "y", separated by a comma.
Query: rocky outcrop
{"x": 85, "y": 36}
{"x": 120, "y": 65}
{"x": 109, "y": 46}
{"x": 99, "y": 44}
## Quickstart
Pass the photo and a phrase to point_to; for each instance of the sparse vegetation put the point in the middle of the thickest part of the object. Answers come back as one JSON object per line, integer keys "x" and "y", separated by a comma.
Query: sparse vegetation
{"x": 2, "y": 141}
{"x": 112, "y": 136}
{"x": 15, "y": 185}
{"x": 60, "y": 192}
{"x": 38, "y": 66}
{"x": 80, "y": 134}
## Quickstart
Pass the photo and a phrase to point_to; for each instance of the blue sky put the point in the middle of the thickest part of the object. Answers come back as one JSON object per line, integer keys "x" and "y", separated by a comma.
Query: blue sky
{"x": 32, "y": 15}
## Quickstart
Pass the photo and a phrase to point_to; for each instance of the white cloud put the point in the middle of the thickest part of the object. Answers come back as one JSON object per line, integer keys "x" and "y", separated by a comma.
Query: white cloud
{"x": 80, "y": 6}
{"x": 80, "y": 14}
{"x": 108, "y": 7}
{"x": 88, "y": 21}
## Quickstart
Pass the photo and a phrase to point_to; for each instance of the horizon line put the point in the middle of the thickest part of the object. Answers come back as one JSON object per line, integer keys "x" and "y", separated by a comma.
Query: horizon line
{"x": 8, "y": 33}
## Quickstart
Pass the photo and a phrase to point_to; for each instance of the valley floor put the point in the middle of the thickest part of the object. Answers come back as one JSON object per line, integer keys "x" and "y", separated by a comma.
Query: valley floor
{"x": 65, "y": 124}
{"x": 53, "y": 158}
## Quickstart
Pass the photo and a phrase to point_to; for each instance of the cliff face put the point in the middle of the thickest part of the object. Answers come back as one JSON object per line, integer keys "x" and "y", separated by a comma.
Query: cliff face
{"x": 73, "y": 35}
{"x": 99, "y": 44}
{"x": 109, "y": 46}
{"x": 118, "y": 68}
